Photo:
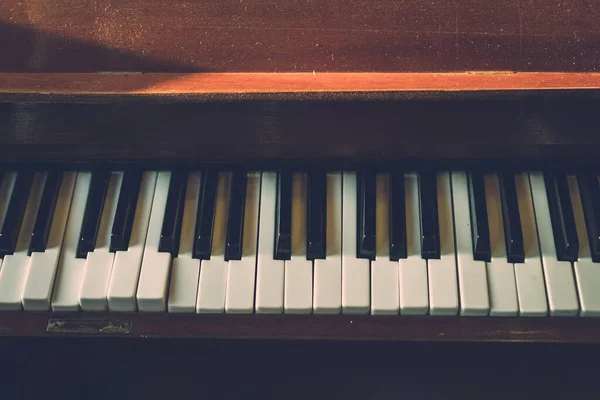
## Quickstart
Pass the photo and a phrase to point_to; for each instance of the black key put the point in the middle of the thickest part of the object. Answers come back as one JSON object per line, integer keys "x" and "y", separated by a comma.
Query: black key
{"x": 589, "y": 190}
{"x": 206, "y": 215}
{"x": 316, "y": 216}
{"x": 283, "y": 216}
{"x": 480, "y": 230}
{"x": 15, "y": 212}
{"x": 366, "y": 215}
{"x": 513, "y": 234}
{"x": 170, "y": 233}
{"x": 43, "y": 220}
{"x": 120, "y": 234}
{"x": 235, "y": 224}
{"x": 430, "y": 225}
{"x": 93, "y": 212}
{"x": 561, "y": 216}
{"x": 397, "y": 217}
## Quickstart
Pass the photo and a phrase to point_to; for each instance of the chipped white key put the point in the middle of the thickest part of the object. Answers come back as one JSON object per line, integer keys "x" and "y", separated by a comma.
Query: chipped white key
{"x": 241, "y": 273}
{"x": 384, "y": 272}
{"x": 328, "y": 272}
{"x": 298, "y": 270}
{"x": 472, "y": 274}
{"x": 412, "y": 273}
{"x": 127, "y": 263}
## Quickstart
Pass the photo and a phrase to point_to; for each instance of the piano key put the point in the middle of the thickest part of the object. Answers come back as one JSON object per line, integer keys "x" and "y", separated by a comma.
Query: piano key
{"x": 316, "y": 234}
{"x": 472, "y": 274}
{"x": 589, "y": 189}
{"x": 283, "y": 219}
{"x": 269, "y": 275}
{"x": 561, "y": 217}
{"x": 65, "y": 295}
{"x": 15, "y": 266}
{"x": 384, "y": 271}
{"x": 6, "y": 188}
{"x": 587, "y": 274}
{"x": 122, "y": 227}
{"x": 365, "y": 206}
{"x": 205, "y": 215}
{"x": 235, "y": 224}
{"x": 560, "y": 282}
{"x": 429, "y": 220}
{"x": 298, "y": 296}
{"x": 44, "y": 264}
{"x": 480, "y": 233}
{"x": 99, "y": 261}
{"x": 171, "y": 227}
{"x": 154, "y": 273}
{"x": 513, "y": 234}
{"x": 185, "y": 270}
{"x": 14, "y": 214}
{"x": 355, "y": 267}
{"x": 242, "y": 273}
{"x": 397, "y": 216}
{"x": 213, "y": 272}
{"x": 443, "y": 292}
{"x": 125, "y": 275}
{"x": 412, "y": 274}
{"x": 43, "y": 221}
{"x": 327, "y": 297}
{"x": 93, "y": 210}
{"x": 502, "y": 287}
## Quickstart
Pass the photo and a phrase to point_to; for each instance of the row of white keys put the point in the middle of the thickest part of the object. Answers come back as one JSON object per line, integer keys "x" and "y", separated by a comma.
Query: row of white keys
{"x": 472, "y": 275}
{"x": 127, "y": 263}
{"x": 586, "y": 272}
{"x": 43, "y": 265}
{"x": 502, "y": 286}
{"x": 413, "y": 280}
{"x": 355, "y": 271}
{"x": 15, "y": 267}
{"x": 242, "y": 273}
{"x": 560, "y": 282}
{"x": 327, "y": 289}
{"x": 385, "y": 298}
{"x": 212, "y": 286}
{"x": 298, "y": 270}
{"x": 99, "y": 262}
{"x": 270, "y": 274}
{"x": 185, "y": 269}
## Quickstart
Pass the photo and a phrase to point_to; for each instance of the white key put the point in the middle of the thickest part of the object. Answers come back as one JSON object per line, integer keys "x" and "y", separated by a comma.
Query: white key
{"x": 412, "y": 273}
{"x": 328, "y": 272}
{"x": 586, "y": 271}
{"x": 154, "y": 274}
{"x": 443, "y": 292}
{"x": 502, "y": 285}
{"x": 15, "y": 267}
{"x": 69, "y": 273}
{"x": 241, "y": 274}
{"x": 529, "y": 275}
{"x": 213, "y": 273}
{"x": 98, "y": 264}
{"x": 560, "y": 282}
{"x": 298, "y": 270}
{"x": 270, "y": 272}
{"x": 472, "y": 275}
{"x": 127, "y": 264}
{"x": 355, "y": 271}
{"x": 185, "y": 269}
{"x": 43, "y": 265}
{"x": 384, "y": 272}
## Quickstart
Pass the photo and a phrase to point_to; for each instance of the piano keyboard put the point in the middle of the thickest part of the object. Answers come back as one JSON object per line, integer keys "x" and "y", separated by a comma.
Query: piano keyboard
{"x": 419, "y": 243}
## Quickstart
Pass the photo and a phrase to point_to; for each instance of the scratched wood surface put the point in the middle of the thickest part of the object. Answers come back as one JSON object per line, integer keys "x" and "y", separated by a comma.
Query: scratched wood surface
{"x": 299, "y": 35}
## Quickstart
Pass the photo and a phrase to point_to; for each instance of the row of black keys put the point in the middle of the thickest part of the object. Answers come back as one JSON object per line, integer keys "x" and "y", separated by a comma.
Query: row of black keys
{"x": 563, "y": 222}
